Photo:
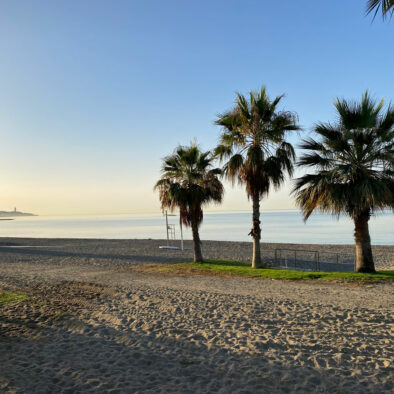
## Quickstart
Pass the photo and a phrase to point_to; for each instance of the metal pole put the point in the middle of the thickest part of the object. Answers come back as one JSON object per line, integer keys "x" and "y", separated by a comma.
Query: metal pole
{"x": 168, "y": 241}
{"x": 181, "y": 235}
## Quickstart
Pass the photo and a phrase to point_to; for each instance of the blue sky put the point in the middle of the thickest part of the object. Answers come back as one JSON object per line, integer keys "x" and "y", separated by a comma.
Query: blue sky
{"x": 94, "y": 93}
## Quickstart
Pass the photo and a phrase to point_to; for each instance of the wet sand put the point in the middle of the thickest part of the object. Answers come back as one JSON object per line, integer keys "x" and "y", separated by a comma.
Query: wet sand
{"x": 92, "y": 323}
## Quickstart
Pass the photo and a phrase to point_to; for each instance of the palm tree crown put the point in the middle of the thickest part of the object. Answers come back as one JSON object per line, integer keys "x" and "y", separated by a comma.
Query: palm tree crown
{"x": 189, "y": 182}
{"x": 354, "y": 162}
{"x": 253, "y": 146}
{"x": 253, "y": 142}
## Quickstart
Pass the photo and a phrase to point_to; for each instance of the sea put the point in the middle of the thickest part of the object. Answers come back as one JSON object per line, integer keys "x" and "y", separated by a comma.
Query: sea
{"x": 277, "y": 226}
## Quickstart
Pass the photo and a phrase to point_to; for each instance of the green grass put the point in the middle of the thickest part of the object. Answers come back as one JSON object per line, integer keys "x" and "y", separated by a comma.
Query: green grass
{"x": 6, "y": 296}
{"x": 224, "y": 267}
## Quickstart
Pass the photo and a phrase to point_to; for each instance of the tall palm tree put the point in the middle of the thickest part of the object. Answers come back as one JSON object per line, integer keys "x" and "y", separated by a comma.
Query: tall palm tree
{"x": 354, "y": 162}
{"x": 189, "y": 182}
{"x": 256, "y": 153}
{"x": 386, "y": 6}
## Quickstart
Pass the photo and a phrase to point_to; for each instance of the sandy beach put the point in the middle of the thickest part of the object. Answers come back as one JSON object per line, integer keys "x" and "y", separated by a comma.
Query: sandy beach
{"x": 94, "y": 324}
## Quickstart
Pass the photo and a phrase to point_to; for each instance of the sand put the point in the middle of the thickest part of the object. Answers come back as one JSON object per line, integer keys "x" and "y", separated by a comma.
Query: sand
{"x": 93, "y": 324}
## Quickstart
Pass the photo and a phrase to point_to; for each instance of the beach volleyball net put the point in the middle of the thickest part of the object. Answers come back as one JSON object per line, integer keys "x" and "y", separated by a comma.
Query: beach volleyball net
{"x": 312, "y": 260}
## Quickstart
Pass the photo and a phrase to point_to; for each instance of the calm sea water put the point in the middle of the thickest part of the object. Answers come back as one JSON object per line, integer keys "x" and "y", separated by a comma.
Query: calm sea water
{"x": 277, "y": 226}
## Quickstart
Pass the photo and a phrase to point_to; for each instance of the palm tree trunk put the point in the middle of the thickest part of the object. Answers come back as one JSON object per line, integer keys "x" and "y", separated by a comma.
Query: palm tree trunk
{"x": 364, "y": 259}
{"x": 256, "y": 232}
{"x": 197, "y": 244}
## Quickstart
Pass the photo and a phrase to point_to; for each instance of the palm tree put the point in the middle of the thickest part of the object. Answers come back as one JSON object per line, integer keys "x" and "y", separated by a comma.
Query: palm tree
{"x": 354, "y": 162}
{"x": 386, "y": 6}
{"x": 189, "y": 182}
{"x": 256, "y": 154}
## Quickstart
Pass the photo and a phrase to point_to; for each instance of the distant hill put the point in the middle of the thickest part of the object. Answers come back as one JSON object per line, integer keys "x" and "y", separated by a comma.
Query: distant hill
{"x": 15, "y": 213}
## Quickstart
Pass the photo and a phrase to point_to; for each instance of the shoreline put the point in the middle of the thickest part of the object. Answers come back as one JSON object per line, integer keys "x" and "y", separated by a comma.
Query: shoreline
{"x": 178, "y": 241}
{"x": 277, "y": 227}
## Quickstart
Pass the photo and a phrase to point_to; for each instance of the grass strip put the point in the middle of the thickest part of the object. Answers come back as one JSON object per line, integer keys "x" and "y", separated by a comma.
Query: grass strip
{"x": 6, "y": 297}
{"x": 226, "y": 268}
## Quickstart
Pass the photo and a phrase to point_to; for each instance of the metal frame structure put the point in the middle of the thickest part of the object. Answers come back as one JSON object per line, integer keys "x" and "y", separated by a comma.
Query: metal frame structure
{"x": 170, "y": 231}
{"x": 317, "y": 259}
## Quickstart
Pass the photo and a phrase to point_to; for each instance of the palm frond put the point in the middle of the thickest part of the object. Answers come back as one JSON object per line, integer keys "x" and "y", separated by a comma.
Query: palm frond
{"x": 253, "y": 133}
{"x": 362, "y": 114}
{"x": 233, "y": 167}
{"x": 189, "y": 182}
{"x": 353, "y": 161}
{"x": 385, "y": 6}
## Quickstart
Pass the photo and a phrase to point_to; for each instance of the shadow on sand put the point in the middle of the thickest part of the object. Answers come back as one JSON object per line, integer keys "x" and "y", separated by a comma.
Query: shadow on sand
{"x": 75, "y": 356}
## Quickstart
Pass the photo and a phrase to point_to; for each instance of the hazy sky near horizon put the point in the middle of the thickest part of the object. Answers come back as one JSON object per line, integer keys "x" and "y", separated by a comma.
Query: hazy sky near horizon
{"x": 94, "y": 93}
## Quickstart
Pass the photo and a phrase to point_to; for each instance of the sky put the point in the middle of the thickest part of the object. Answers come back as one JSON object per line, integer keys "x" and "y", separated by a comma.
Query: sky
{"x": 94, "y": 93}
